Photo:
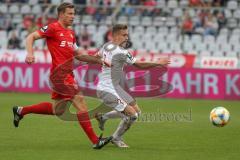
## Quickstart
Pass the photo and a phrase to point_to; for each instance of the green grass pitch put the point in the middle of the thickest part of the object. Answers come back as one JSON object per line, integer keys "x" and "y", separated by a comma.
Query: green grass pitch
{"x": 153, "y": 137}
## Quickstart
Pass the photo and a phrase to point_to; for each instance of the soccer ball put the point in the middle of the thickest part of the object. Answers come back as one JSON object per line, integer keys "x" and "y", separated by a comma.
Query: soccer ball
{"x": 219, "y": 116}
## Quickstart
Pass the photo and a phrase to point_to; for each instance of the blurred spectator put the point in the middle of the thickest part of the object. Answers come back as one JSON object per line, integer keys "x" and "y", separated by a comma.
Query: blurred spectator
{"x": 207, "y": 3}
{"x": 196, "y": 3}
{"x": 32, "y": 27}
{"x": 187, "y": 26}
{"x": 134, "y": 2}
{"x": 100, "y": 14}
{"x": 201, "y": 18}
{"x": 89, "y": 2}
{"x": 128, "y": 10}
{"x": 85, "y": 39}
{"x": 44, "y": 1}
{"x": 27, "y": 21}
{"x": 105, "y": 2}
{"x": 108, "y": 35}
{"x": 219, "y": 3}
{"x": 15, "y": 1}
{"x": 82, "y": 2}
{"x": 50, "y": 19}
{"x": 41, "y": 21}
{"x": 4, "y": 22}
{"x": 211, "y": 25}
{"x": 221, "y": 19}
{"x": 158, "y": 12}
{"x": 150, "y": 3}
{"x": 90, "y": 10}
{"x": 14, "y": 42}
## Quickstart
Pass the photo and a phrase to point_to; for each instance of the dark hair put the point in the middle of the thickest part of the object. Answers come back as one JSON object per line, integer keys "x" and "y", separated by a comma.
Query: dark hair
{"x": 62, "y": 7}
{"x": 119, "y": 27}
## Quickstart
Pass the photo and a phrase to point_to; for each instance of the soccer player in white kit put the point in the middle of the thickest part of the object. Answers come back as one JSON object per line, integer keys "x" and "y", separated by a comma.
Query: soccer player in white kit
{"x": 115, "y": 55}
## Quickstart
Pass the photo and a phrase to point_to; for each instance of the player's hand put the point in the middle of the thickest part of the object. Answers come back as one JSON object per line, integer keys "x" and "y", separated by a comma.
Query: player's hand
{"x": 30, "y": 59}
{"x": 164, "y": 61}
{"x": 106, "y": 64}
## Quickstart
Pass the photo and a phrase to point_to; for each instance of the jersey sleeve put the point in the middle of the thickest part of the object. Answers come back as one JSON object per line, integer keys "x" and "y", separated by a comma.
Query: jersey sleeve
{"x": 129, "y": 58}
{"x": 46, "y": 31}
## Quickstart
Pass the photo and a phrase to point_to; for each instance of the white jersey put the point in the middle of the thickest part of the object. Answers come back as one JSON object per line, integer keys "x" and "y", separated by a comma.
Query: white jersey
{"x": 116, "y": 57}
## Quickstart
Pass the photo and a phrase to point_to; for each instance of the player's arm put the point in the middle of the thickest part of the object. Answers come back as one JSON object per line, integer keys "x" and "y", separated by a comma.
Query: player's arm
{"x": 29, "y": 46}
{"x": 163, "y": 62}
{"x": 88, "y": 58}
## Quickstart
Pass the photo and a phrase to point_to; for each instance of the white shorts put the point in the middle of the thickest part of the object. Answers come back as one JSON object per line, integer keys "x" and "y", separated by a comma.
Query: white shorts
{"x": 115, "y": 98}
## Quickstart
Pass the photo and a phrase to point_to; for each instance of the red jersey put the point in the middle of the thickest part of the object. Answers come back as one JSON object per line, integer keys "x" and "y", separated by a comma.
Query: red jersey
{"x": 60, "y": 42}
{"x": 61, "y": 45}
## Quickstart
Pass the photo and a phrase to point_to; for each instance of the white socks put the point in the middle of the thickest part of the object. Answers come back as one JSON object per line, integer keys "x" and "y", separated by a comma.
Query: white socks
{"x": 113, "y": 114}
{"x": 123, "y": 126}
{"x": 121, "y": 129}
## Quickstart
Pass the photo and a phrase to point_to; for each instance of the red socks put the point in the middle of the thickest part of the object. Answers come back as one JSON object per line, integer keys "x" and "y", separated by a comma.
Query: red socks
{"x": 47, "y": 108}
{"x": 41, "y": 108}
{"x": 84, "y": 121}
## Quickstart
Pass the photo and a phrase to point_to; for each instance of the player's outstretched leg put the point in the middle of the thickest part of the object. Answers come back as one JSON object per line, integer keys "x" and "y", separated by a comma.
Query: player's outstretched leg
{"x": 85, "y": 123}
{"x": 123, "y": 126}
{"x": 131, "y": 116}
{"x": 100, "y": 120}
{"x": 41, "y": 108}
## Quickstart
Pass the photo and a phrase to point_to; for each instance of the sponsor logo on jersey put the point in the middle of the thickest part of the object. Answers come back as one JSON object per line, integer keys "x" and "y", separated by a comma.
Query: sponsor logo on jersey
{"x": 70, "y": 44}
{"x": 62, "y": 44}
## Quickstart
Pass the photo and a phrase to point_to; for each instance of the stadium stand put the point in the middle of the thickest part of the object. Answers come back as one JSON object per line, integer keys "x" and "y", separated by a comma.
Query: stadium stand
{"x": 212, "y": 26}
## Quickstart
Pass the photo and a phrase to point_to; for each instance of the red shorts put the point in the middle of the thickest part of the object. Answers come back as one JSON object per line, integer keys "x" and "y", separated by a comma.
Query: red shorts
{"x": 63, "y": 88}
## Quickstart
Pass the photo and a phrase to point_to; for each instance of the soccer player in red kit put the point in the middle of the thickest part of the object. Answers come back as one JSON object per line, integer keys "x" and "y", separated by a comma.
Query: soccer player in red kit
{"x": 61, "y": 43}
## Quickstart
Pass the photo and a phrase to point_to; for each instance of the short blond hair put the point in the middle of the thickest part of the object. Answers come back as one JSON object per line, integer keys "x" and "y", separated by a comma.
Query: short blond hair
{"x": 116, "y": 28}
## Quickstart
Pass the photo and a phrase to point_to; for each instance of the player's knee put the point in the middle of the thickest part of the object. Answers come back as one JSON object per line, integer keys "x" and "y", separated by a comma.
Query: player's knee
{"x": 133, "y": 103}
{"x": 133, "y": 117}
{"x": 79, "y": 98}
{"x": 61, "y": 107}
{"x": 79, "y": 103}
{"x": 59, "y": 110}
